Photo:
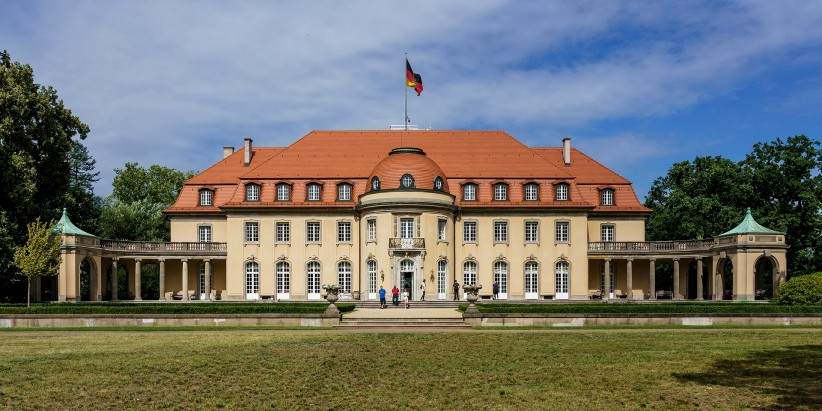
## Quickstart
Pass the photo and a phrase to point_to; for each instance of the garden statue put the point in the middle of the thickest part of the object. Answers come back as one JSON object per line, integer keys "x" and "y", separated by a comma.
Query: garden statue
{"x": 472, "y": 295}
{"x": 332, "y": 294}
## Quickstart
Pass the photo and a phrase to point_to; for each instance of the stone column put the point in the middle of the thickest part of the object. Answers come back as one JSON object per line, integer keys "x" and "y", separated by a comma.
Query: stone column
{"x": 162, "y": 279}
{"x": 712, "y": 281}
{"x": 208, "y": 279}
{"x": 98, "y": 286}
{"x": 676, "y": 295}
{"x": 113, "y": 279}
{"x": 138, "y": 287}
{"x": 699, "y": 278}
{"x": 185, "y": 279}
{"x": 652, "y": 279}
{"x": 629, "y": 273}
{"x": 606, "y": 282}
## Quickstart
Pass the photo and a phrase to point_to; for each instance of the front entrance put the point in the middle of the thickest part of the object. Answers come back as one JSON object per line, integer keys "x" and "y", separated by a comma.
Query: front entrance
{"x": 407, "y": 283}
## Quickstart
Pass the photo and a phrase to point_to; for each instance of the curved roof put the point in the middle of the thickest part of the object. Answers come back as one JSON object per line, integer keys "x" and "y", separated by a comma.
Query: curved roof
{"x": 750, "y": 226}
{"x": 408, "y": 160}
{"x": 66, "y": 227}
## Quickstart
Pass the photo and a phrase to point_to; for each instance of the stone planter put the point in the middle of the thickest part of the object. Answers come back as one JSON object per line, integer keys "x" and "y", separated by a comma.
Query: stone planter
{"x": 332, "y": 295}
{"x": 472, "y": 295}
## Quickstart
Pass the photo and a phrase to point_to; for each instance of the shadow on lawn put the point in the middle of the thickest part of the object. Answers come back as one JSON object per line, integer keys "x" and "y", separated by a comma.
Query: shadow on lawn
{"x": 792, "y": 374}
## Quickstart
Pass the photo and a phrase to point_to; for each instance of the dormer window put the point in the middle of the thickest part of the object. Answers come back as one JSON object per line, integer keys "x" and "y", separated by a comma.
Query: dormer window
{"x": 469, "y": 192}
{"x": 206, "y": 197}
{"x": 500, "y": 192}
{"x": 438, "y": 183}
{"x": 283, "y": 192}
{"x": 375, "y": 183}
{"x": 606, "y": 197}
{"x": 407, "y": 181}
{"x": 252, "y": 192}
{"x": 531, "y": 192}
{"x": 313, "y": 192}
{"x": 344, "y": 192}
{"x": 561, "y": 193}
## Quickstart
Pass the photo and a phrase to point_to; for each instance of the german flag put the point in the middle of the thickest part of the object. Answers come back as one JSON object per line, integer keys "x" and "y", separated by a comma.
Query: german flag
{"x": 412, "y": 79}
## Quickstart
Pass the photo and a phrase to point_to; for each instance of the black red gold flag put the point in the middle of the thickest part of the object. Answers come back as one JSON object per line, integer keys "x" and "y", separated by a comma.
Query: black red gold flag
{"x": 412, "y": 80}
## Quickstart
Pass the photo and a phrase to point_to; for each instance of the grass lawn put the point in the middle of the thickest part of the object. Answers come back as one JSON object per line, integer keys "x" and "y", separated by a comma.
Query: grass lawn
{"x": 580, "y": 369}
{"x": 646, "y": 308}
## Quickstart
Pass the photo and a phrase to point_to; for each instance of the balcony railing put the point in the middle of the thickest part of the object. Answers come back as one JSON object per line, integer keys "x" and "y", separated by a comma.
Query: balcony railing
{"x": 406, "y": 243}
{"x": 166, "y": 248}
{"x": 650, "y": 247}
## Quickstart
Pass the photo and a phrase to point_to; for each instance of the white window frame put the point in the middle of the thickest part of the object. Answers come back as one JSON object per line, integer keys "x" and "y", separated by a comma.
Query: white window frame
{"x": 283, "y": 192}
{"x": 282, "y": 232}
{"x": 371, "y": 269}
{"x": 313, "y": 192}
{"x": 531, "y": 235}
{"x": 375, "y": 184}
{"x": 531, "y": 280}
{"x": 562, "y": 232}
{"x": 500, "y": 192}
{"x": 371, "y": 229}
{"x": 469, "y": 274}
{"x": 344, "y": 191}
{"x": 283, "y": 279}
{"x": 442, "y": 279}
{"x": 562, "y": 275}
{"x": 344, "y": 232}
{"x": 313, "y": 275}
{"x": 438, "y": 183}
{"x": 561, "y": 192}
{"x": 469, "y": 192}
{"x": 201, "y": 281}
{"x": 442, "y": 229}
{"x": 251, "y": 231}
{"x": 501, "y": 275}
{"x": 252, "y": 192}
{"x": 309, "y": 233}
{"x": 531, "y": 192}
{"x": 606, "y": 197}
{"x": 613, "y": 270}
{"x": 344, "y": 278}
{"x": 469, "y": 231}
{"x": 205, "y": 233}
{"x": 607, "y": 232}
{"x": 407, "y": 181}
{"x": 206, "y": 197}
{"x": 500, "y": 231}
{"x": 252, "y": 280}
{"x": 406, "y": 230}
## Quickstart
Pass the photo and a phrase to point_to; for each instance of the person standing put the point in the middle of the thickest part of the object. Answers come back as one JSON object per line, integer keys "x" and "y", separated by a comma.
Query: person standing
{"x": 495, "y": 289}
{"x": 395, "y": 295}
{"x": 382, "y": 297}
{"x": 405, "y": 299}
{"x": 422, "y": 288}
{"x": 456, "y": 290}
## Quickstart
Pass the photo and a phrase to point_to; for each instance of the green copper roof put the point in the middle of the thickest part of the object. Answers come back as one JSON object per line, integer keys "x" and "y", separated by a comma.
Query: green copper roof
{"x": 749, "y": 225}
{"x": 66, "y": 227}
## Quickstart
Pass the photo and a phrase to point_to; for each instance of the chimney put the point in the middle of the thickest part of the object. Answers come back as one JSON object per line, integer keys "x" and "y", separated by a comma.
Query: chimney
{"x": 227, "y": 151}
{"x": 566, "y": 151}
{"x": 247, "y": 151}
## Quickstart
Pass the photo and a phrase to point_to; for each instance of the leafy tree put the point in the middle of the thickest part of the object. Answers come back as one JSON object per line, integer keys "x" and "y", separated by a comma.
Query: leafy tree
{"x": 40, "y": 255}
{"x": 157, "y": 184}
{"x": 138, "y": 220}
{"x": 84, "y": 207}
{"x": 37, "y": 135}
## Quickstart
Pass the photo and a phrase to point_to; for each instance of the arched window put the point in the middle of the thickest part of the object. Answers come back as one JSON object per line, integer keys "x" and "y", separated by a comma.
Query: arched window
{"x": 469, "y": 192}
{"x": 407, "y": 181}
{"x": 501, "y": 277}
{"x": 206, "y": 197}
{"x": 344, "y": 192}
{"x": 372, "y": 276}
{"x": 252, "y": 192}
{"x": 561, "y": 278}
{"x": 313, "y": 192}
{"x": 500, "y": 192}
{"x": 283, "y": 279}
{"x": 375, "y": 183}
{"x": 561, "y": 193}
{"x": 252, "y": 280}
{"x": 344, "y": 276}
{"x": 469, "y": 273}
{"x": 438, "y": 183}
{"x": 606, "y": 197}
{"x": 531, "y": 191}
{"x": 312, "y": 271}
{"x": 531, "y": 280}
{"x": 442, "y": 278}
{"x": 283, "y": 192}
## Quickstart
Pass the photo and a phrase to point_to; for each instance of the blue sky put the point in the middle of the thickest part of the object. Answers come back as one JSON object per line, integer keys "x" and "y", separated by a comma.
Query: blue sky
{"x": 638, "y": 85}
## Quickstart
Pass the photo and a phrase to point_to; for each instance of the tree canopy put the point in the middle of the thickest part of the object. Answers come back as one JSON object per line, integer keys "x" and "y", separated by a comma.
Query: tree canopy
{"x": 40, "y": 255}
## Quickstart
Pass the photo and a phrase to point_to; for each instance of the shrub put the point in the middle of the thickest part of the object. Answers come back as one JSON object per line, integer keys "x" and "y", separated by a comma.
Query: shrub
{"x": 173, "y": 308}
{"x": 802, "y": 290}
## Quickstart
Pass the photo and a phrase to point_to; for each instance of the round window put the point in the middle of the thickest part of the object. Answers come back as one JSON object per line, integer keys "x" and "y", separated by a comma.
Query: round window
{"x": 438, "y": 183}
{"x": 407, "y": 181}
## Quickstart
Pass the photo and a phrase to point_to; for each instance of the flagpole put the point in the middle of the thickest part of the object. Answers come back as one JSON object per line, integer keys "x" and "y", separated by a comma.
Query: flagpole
{"x": 405, "y": 86}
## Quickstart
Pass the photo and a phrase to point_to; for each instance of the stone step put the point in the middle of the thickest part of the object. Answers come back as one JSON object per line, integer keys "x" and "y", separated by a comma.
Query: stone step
{"x": 402, "y": 323}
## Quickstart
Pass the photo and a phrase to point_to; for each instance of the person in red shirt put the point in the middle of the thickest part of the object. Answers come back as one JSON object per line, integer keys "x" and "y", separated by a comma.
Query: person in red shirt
{"x": 395, "y": 295}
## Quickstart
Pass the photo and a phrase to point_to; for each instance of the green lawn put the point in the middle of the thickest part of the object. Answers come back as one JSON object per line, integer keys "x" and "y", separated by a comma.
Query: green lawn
{"x": 580, "y": 369}
{"x": 648, "y": 308}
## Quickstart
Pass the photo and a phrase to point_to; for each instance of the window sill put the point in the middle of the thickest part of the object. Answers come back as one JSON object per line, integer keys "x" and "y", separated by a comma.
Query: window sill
{"x": 339, "y": 243}
{"x": 532, "y": 243}
{"x": 282, "y": 243}
{"x": 501, "y": 243}
{"x": 251, "y": 243}
{"x": 469, "y": 242}
{"x": 562, "y": 243}
{"x": 313, "y": 243}
{"x": 371, "y": 242}
{"x": 442, "y": 242}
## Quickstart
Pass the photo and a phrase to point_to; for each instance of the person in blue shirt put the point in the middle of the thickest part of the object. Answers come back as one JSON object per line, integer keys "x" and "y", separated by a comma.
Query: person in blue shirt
{"x": 382, "y": 297}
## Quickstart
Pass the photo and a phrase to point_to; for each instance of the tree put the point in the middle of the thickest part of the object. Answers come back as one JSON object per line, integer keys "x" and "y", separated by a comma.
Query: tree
{"x": 40, "y": 255}
{"x": 157, "y": 184}
{"x": 37, "y": 135}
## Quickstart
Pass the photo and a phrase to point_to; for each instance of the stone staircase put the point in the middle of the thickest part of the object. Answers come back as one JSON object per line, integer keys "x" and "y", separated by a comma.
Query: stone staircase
{"x": 439, "y": 317}
{"x": 414, "y": 304}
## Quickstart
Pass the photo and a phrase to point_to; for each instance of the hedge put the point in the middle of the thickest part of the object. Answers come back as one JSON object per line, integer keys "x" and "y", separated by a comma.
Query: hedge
{"x": 638, "y": 308}
{"x": 802, "y": 290}
{"x": 171, "y": 308}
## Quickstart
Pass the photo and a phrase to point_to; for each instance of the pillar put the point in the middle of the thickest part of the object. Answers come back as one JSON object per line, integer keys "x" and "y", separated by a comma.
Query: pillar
{"x": 606, "y": 283}
{"x": 207, "y": 279}
{"x": 699, "y": 278}
{"x": 713, "y": 272}
{"x": 98, "y": 281}
{"x": 652, "y": 279}
{"x": 162, "y": 279}
{"x": 114, "y": 279}
{"x": 138, "y": 286}
{"x": 184, "y": 273}
{"x": 629, "y": 272}
{"x": 677, "y": 295}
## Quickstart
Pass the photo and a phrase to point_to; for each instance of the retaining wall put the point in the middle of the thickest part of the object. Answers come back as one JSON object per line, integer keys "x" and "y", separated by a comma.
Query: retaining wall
{"x": 158, "y": 320}
{"x": 579, "y": 320}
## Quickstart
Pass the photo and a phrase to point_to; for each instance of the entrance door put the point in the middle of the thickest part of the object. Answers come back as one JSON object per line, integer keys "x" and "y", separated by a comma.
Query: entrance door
{"x": 407, "y": 283}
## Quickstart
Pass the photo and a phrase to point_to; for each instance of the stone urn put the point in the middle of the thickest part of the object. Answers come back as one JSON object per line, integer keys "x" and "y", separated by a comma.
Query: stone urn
{"x": 332, "y": 294}
{"x": 472, "y": 295}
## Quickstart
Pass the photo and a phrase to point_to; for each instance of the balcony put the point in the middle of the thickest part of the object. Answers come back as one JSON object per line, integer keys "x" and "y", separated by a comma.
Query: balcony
{"x": 650, "y": 247}
{"x": 406, "y": 243}
{"x": 160, "y": 248}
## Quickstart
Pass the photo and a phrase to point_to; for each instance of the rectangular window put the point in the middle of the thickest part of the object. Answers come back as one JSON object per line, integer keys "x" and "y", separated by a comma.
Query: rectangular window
{"x": 204, "y": 233}
{"x": 206, "y": 198}
{"x": 343, "y": 231}
{"x": 561, "y": 192}
{"x": 344, "y": 192}
{"x": 313, "y": 192}
{"x": 531, "y": 232}
{"x": 442, "y": 229}
{"x": 406, "y": 228}
{"x": 469, "y": 231}
{"x": 283, "y": 230}
{"x": 283, "y": 192}
{"x": 561, "y": 231}
{"x": 469, "y": 192}
{"x": 372, "y": 230}
{"x": 500, "y": 192}
{"x": 531, "y": 192}
{"x": 312, "y": 232}
{"x": 607, "y": 232}
{"x": 500, "y": 231}
{"x": 252, "y": 231}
